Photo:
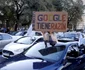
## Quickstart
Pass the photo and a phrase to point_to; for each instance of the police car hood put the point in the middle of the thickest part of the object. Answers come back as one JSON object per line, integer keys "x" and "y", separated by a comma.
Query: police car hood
{"x": 15, "y": 46}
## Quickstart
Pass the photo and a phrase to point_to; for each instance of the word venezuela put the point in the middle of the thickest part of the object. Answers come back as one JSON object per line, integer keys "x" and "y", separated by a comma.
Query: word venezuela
{"x": 50, "y": 21}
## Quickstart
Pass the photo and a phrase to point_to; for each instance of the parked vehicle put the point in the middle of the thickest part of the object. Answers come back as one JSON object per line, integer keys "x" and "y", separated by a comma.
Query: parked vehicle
{"x": 72, "y": 36}
{"x": 63, "y": 56}
{"x": 20, "y": 33}
{"x": 12, "y": 32}
{"x": 4, "y": 40}
{"x": 16, "y": 37}
{"x": 20, "y": 45}
{"x": 34, "y": 33}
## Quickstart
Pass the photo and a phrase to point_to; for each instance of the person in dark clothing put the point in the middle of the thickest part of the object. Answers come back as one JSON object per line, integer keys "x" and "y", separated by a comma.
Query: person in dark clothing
{"x": 8, "y": 30}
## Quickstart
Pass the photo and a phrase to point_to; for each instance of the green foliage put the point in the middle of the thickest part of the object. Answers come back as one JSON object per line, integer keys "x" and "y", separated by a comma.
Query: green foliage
{"x": 73, "y": 7}
{"x": 21, "y": 10}
{"x": 57, "y": 4}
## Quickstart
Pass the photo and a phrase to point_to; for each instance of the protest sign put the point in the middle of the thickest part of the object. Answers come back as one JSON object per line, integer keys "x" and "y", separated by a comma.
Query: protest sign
{"x": 50, "y": 21}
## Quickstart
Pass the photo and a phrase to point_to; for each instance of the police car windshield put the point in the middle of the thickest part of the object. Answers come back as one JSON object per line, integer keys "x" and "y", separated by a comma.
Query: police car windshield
{"x": 25, "y": 40}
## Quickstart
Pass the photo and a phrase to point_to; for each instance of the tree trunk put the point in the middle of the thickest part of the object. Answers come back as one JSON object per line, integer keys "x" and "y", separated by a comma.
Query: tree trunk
{"x": 15, "y": 27}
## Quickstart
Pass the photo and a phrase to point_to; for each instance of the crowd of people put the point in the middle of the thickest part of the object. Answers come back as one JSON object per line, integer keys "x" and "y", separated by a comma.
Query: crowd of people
{"x": 5, "y": 30}
{"x": 8, "y": 29}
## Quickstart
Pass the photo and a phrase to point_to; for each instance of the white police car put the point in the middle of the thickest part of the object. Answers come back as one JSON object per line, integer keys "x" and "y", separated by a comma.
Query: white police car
{"x": 20, "y": 45}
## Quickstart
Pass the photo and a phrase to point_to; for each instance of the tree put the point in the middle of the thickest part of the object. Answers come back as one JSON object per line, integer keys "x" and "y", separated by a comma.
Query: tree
{"x": 21, "y": 10}
{"x": 58, "y": 5}
{"x": 37, "y": 5}
{"x": 19, "y": 7}
{"x": 73, "y": 7}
